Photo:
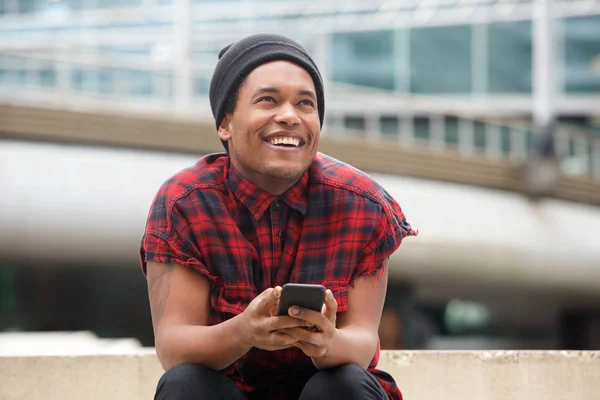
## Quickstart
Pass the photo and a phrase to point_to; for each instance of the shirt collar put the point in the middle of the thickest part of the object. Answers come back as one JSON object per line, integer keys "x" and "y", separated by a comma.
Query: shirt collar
{"x": 258, "y": 201}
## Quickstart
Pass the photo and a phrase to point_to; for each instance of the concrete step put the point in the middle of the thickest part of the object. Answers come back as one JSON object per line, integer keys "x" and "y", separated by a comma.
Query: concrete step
{"x": 430, "y": 375}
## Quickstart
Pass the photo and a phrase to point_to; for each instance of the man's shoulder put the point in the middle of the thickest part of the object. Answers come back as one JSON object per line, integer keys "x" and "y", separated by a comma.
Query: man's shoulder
{"x": 208, "y": 173}
{"x": 338, "y": 175}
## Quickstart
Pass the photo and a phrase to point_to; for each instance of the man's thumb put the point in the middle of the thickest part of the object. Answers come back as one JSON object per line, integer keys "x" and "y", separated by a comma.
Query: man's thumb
{"x": 270, "y": 297}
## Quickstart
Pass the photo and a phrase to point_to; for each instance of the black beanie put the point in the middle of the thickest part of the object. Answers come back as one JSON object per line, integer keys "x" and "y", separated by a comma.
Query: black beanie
{"x": 238, "y": 59}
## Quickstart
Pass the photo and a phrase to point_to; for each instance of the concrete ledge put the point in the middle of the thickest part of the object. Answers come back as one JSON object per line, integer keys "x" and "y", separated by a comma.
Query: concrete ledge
{"x": 423, "y": 375}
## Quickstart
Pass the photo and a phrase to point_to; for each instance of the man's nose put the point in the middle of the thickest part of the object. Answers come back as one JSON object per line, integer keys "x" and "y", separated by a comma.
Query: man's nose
{"x": 287, "y": 115}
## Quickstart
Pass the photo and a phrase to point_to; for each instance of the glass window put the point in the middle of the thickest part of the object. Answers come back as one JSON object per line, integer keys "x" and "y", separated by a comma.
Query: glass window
{"x": 20, "y": 77}
{"x": 138, "y": 83}
{"x": 590, "y": 158}
{"x": 162, "y": 85}
{"x": 29, "y": 6}
{"x": 582, "y": 54}
{"x": 581, "y": 121}
{"x": 201, "y": 87}
{"x": 440, "y": 60}
{"x": 47, "y": 76}
{"x": 389, "y": 126}
{"x": 421, "y": 128}
{"x": 509, "y": 57}
{"x": 355, "y": 123}
{"x": 505, "y": 134}
{"x": 529, "y": 141}
{"x": 33, "y": 6}
{"x": 363, "y": 58}
{"x": 571, "y": 148}
{"x": 94, "y": 80}
{"x": 479, "y": 135}
{"x": 451, "y": 131}
{"x": 106, "y": 78}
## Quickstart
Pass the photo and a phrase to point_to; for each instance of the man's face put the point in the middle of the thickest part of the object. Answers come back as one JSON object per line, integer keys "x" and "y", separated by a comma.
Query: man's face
{"x": 273, "y": 134}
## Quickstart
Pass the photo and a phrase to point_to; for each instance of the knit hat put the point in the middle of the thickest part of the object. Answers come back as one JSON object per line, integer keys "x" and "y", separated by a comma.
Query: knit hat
{"x": 238, "y": 59}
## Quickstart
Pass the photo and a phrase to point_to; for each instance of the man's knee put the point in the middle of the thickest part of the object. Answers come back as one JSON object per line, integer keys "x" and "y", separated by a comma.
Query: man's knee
{"x": 182, "y": 380}
{"x": 186, "y": 373}
{"x": 346, "y": 381}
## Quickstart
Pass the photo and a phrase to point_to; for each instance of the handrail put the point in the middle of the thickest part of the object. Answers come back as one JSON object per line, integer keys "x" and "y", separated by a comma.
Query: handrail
{"x": 116, "y": 125}
{"x": 21, "y": 79}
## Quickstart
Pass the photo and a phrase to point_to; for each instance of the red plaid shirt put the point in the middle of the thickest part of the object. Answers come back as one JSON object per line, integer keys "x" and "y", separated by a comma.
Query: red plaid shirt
{"x": 334, "y": 225}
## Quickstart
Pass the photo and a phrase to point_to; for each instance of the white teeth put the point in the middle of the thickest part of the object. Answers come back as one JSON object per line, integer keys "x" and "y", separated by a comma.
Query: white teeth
{"x": 285, "y": 140}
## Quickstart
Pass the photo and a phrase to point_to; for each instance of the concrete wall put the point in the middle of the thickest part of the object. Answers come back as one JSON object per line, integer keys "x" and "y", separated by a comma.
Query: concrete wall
{"x": 488, "y": 375}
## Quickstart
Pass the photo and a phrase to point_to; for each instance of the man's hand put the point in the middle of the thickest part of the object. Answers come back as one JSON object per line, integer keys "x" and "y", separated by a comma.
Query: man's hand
{"x": 314, "y": 343}
{"x": 262, "y": 328}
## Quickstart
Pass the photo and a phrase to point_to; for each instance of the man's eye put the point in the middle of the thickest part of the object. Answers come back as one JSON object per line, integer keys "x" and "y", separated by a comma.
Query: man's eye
{"x": 266, "y": 98}
{"x": 307, "y": 103}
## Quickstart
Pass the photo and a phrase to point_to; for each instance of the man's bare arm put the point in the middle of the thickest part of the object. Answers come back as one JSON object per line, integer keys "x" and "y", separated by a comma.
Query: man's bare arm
{"x": 357, "y": 328}
{"x": 180, "y": 306}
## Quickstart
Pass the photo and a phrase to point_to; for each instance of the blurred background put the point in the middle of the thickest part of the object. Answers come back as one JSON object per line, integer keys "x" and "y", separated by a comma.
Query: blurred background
{"x": 481, "y": 117}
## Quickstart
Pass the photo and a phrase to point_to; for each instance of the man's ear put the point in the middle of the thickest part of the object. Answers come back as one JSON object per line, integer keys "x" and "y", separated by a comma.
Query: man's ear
{"x": 225, "y": 128}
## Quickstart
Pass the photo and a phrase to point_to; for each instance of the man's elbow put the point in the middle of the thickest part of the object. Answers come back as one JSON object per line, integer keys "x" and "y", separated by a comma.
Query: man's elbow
{"x": 164, "y": 355}
{"x": 370, "y": 347}
{"x": 365, "y": 343}
{"x": 166, "y": 345}
{"x": 170, "y": 353}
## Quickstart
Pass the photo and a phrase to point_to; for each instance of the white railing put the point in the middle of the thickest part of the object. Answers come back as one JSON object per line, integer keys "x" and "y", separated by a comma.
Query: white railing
{"x": 88, "y": 80}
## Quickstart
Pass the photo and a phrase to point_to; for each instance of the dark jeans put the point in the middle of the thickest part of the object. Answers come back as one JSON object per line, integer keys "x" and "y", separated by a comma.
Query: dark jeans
{"x": 193, "y": 381}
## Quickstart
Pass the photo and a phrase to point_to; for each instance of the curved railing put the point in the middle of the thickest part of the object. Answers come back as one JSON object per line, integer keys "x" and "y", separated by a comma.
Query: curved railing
{"x": 131, "y": 82}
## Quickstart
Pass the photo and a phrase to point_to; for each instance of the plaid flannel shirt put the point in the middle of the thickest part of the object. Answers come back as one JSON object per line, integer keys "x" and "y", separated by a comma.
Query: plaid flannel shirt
{"x": 334, "y": 225}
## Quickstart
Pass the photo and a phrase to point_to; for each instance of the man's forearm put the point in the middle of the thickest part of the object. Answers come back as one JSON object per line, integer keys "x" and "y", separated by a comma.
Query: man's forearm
{"x": 350, "y": 345}
{"x": 215, "y": 347}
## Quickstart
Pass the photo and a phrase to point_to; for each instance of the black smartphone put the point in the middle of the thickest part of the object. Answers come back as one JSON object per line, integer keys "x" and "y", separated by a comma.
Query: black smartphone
{"x": 302, "y": 295}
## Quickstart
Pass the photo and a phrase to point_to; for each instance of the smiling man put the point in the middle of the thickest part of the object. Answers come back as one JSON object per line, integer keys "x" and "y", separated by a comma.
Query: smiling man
{"x": 224, "y": 235}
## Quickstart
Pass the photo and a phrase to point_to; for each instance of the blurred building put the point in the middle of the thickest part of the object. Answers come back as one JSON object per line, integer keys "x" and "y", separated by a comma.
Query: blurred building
{"x": 443, "y": 102}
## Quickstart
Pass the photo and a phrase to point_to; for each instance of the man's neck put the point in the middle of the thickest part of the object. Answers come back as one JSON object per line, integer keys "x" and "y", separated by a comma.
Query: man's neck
{"x": 271, "y": 185}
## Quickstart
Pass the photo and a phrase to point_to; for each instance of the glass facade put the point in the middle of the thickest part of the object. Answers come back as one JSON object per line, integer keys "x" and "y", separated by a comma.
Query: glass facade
{"x": 440, "y": 60}
{"x": 363, "y": 58}
{"x": 426, "y": 60}
{"x": 33, "y": 6}
{"x": 509, "y": 64}
{"x": 582, "y": 54}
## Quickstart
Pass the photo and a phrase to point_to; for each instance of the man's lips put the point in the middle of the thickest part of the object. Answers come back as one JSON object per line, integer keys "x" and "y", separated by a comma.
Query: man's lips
{"x": 283, "y": 148}
{"x": 283, "y": 140}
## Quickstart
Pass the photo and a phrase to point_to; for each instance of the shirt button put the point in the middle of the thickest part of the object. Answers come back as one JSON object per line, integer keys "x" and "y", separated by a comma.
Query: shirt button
{"x": 280, "y": 233}
{"x": 276, "y": 204}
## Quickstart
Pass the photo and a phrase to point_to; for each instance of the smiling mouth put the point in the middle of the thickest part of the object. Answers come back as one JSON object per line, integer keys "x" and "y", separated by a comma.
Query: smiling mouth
{"x": 285, "y": 141}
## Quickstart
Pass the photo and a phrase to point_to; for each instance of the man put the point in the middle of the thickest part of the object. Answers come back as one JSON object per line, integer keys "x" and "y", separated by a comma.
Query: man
{"x": 224, "y": 235}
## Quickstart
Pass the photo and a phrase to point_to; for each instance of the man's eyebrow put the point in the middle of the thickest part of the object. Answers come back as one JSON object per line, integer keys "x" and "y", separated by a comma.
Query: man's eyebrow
{"x": 266, "y": 89}
{"x": 270, "y": 89}
{"x": 308, "y": 93}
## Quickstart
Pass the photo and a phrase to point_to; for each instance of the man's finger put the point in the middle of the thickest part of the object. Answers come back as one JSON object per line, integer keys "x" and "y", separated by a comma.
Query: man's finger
{"x": 269, "y": 298}
{"x": 304, "y": 335}
{"x": 277, "y": 323}
{"x": 281, "y": 339}
{"x": 330, "y": 305}
{"x": 309, "y": 316}
{"x": 310, "y": 349}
